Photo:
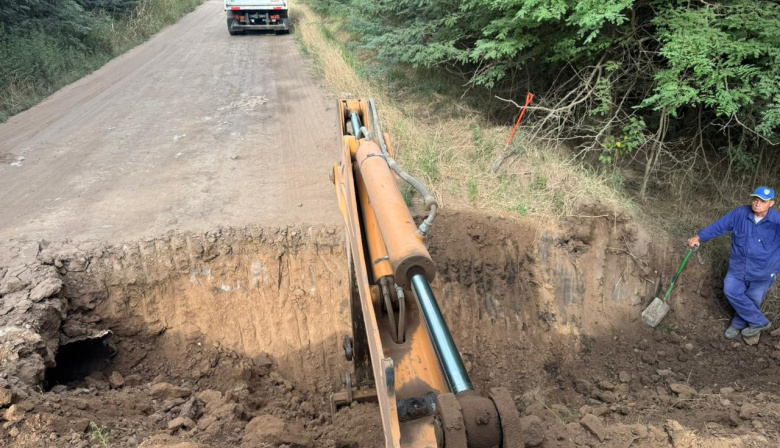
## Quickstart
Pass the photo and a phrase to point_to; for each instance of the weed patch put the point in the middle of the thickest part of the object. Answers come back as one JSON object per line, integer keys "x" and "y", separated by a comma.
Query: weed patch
{"x": 99, "y": 435}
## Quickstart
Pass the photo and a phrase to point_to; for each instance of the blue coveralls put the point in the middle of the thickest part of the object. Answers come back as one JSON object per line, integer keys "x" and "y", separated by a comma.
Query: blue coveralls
{"x": 754, "y": 262}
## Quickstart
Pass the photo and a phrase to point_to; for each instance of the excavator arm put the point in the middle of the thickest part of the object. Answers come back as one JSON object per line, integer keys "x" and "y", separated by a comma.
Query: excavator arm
{"x": 401, "y": 342}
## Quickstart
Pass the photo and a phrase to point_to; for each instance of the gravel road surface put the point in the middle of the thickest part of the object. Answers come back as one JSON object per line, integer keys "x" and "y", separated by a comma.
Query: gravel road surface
{"x": 192, "y": 130}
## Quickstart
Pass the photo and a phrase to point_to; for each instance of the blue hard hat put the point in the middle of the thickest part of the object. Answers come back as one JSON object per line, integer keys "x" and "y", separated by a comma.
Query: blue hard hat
{"x": 765, "y": 193}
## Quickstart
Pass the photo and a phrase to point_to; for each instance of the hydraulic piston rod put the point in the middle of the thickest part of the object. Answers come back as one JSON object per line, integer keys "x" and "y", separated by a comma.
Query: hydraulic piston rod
{"x": 449, "y": 357}
{"x": 355, "y": 124}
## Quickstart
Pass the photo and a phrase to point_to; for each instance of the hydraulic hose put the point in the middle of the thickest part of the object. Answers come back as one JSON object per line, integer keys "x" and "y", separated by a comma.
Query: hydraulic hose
{"x": 428, "y": 198}
{"x": 399, "y": 292}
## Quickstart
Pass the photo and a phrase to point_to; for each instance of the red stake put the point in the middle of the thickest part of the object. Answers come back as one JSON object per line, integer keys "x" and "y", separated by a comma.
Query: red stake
{"x": 528, "y": 100}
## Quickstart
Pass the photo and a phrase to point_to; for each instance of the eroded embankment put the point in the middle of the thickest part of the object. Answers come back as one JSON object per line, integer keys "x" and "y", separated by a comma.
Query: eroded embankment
{"x": 210, "y": 333}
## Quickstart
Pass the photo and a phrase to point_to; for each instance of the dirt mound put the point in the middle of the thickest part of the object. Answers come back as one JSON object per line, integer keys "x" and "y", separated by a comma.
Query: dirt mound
{"x": 233, "y": 338}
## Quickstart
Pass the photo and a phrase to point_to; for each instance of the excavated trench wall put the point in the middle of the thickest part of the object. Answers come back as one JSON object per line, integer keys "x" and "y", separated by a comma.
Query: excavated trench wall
{"x": 510, "y": 290}
{"x": 257, "y": 292}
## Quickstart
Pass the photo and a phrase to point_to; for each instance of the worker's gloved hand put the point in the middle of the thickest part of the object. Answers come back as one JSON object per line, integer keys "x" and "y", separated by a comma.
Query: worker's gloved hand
{"x": 694, "y": 242}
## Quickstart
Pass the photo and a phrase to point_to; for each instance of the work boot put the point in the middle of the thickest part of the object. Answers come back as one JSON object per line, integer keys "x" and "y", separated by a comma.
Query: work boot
{"x": 751, "y": 331}
{"x": 732, "y": 332}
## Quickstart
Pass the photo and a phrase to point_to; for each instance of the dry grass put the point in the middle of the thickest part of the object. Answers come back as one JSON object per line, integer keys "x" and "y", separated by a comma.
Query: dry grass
{"x": 148, "y": 18}
{"x": 453, "y": 154}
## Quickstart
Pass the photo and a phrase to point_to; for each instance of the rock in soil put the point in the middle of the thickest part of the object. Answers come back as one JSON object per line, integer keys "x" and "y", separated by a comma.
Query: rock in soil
{"x": 683, "y": 390}
{"x": 181, "y": 422}
{"x": 14, "y": 413}
{"x": 679, "y": 435}
{"x": 269, "y": 430}
{"x": 116, "y": 380}
{"x": 5, "y": 397}
{"x": 532, "y": 429}
{"x": 583, "y": 386}
{"x": 594, "y": 426}
{"x": 748, "y": 411}
{"x": 167, "y": 390}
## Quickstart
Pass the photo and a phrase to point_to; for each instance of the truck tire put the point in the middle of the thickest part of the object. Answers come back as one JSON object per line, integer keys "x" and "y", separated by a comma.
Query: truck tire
{"x": 231, "y": 30}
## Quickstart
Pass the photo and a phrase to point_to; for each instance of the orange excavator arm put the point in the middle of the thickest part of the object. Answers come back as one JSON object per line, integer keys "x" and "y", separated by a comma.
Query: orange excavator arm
{"x": 403, "y": 354}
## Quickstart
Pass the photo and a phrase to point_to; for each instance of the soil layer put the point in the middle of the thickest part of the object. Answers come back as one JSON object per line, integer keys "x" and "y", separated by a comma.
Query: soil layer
{"x": 234, "y": 337}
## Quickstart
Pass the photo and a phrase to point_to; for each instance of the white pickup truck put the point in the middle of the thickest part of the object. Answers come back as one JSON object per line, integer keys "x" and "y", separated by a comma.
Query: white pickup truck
{"x": 245, "y": 15}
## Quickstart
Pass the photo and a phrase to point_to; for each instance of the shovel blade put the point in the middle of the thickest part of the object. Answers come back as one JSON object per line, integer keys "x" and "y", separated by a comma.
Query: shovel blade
{"x": 655, "y": 312}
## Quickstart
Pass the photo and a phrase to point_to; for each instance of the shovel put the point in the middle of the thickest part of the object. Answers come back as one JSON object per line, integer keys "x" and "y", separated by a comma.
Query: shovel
{"x": 657, "y": 310}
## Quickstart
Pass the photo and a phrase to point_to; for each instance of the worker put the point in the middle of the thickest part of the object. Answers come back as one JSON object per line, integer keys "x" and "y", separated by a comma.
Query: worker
{"x": 754, "y": 263}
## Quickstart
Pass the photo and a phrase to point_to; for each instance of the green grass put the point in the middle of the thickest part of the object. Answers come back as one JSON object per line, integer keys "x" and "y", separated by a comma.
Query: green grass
{"x": 540, "y": 183}
{"x": 349, "y": 57}
{"x": 473, "y": 190}
{"x": 520, "y": 209}
{"x": 407, "y": 192}
{"x": 35, "y": 63}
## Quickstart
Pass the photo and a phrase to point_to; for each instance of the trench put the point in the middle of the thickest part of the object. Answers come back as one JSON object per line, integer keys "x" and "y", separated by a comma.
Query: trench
{"x": 282, "y": 293}
{"x": 259, "y": 315}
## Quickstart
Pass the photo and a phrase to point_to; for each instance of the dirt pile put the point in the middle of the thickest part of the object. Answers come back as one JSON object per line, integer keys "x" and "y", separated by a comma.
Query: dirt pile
{"x": 659, "y": 389}
{"x": 233, "y": 338}
{"x": 251, "y": 404}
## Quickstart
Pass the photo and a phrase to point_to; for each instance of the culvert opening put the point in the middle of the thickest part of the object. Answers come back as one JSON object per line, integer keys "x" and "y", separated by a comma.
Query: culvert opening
{"x": 78, "y": 359}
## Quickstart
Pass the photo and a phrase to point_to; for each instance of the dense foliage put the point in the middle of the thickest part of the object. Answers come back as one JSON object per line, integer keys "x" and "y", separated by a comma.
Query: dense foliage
{"x": 668, "y": 77}
{"x": 45, "y": 44}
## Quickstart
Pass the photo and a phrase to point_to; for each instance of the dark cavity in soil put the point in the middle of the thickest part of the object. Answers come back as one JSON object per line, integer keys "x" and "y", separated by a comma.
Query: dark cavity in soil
{"x": 78, "y": 359}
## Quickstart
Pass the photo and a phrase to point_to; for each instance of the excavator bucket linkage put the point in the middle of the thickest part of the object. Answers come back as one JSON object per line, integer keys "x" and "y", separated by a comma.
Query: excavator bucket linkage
{"x": 400, "y": 341}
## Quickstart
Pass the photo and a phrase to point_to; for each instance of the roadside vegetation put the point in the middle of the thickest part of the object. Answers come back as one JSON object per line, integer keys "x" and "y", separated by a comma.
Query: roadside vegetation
{"x": 672, "y": 105}
{"x": 46, "y": 44}
{"x": 449, "y": 145}
{"x": 679, "y": 91}
{"x": 666, "y": 110}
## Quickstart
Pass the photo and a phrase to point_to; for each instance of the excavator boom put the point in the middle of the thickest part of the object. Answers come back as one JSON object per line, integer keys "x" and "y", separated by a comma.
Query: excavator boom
{"x": 403, "y": 353}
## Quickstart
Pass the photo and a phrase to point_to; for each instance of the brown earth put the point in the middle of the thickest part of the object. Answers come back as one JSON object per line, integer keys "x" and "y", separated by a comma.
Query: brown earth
{"x": 233, "y": 337}
{"x": 159, "y": 288}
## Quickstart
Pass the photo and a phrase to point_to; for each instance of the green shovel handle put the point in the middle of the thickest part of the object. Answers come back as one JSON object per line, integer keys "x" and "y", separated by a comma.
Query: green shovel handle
{"x": 679, "y": 271}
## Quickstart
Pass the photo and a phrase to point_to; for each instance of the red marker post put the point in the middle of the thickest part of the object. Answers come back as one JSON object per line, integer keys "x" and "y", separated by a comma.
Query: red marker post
{"x": 528, "y": 99}
{"x": 500, "y": 160}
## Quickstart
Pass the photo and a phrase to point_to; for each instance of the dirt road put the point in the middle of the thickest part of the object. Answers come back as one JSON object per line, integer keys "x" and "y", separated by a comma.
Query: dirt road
{"x": 191, "y": 130}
